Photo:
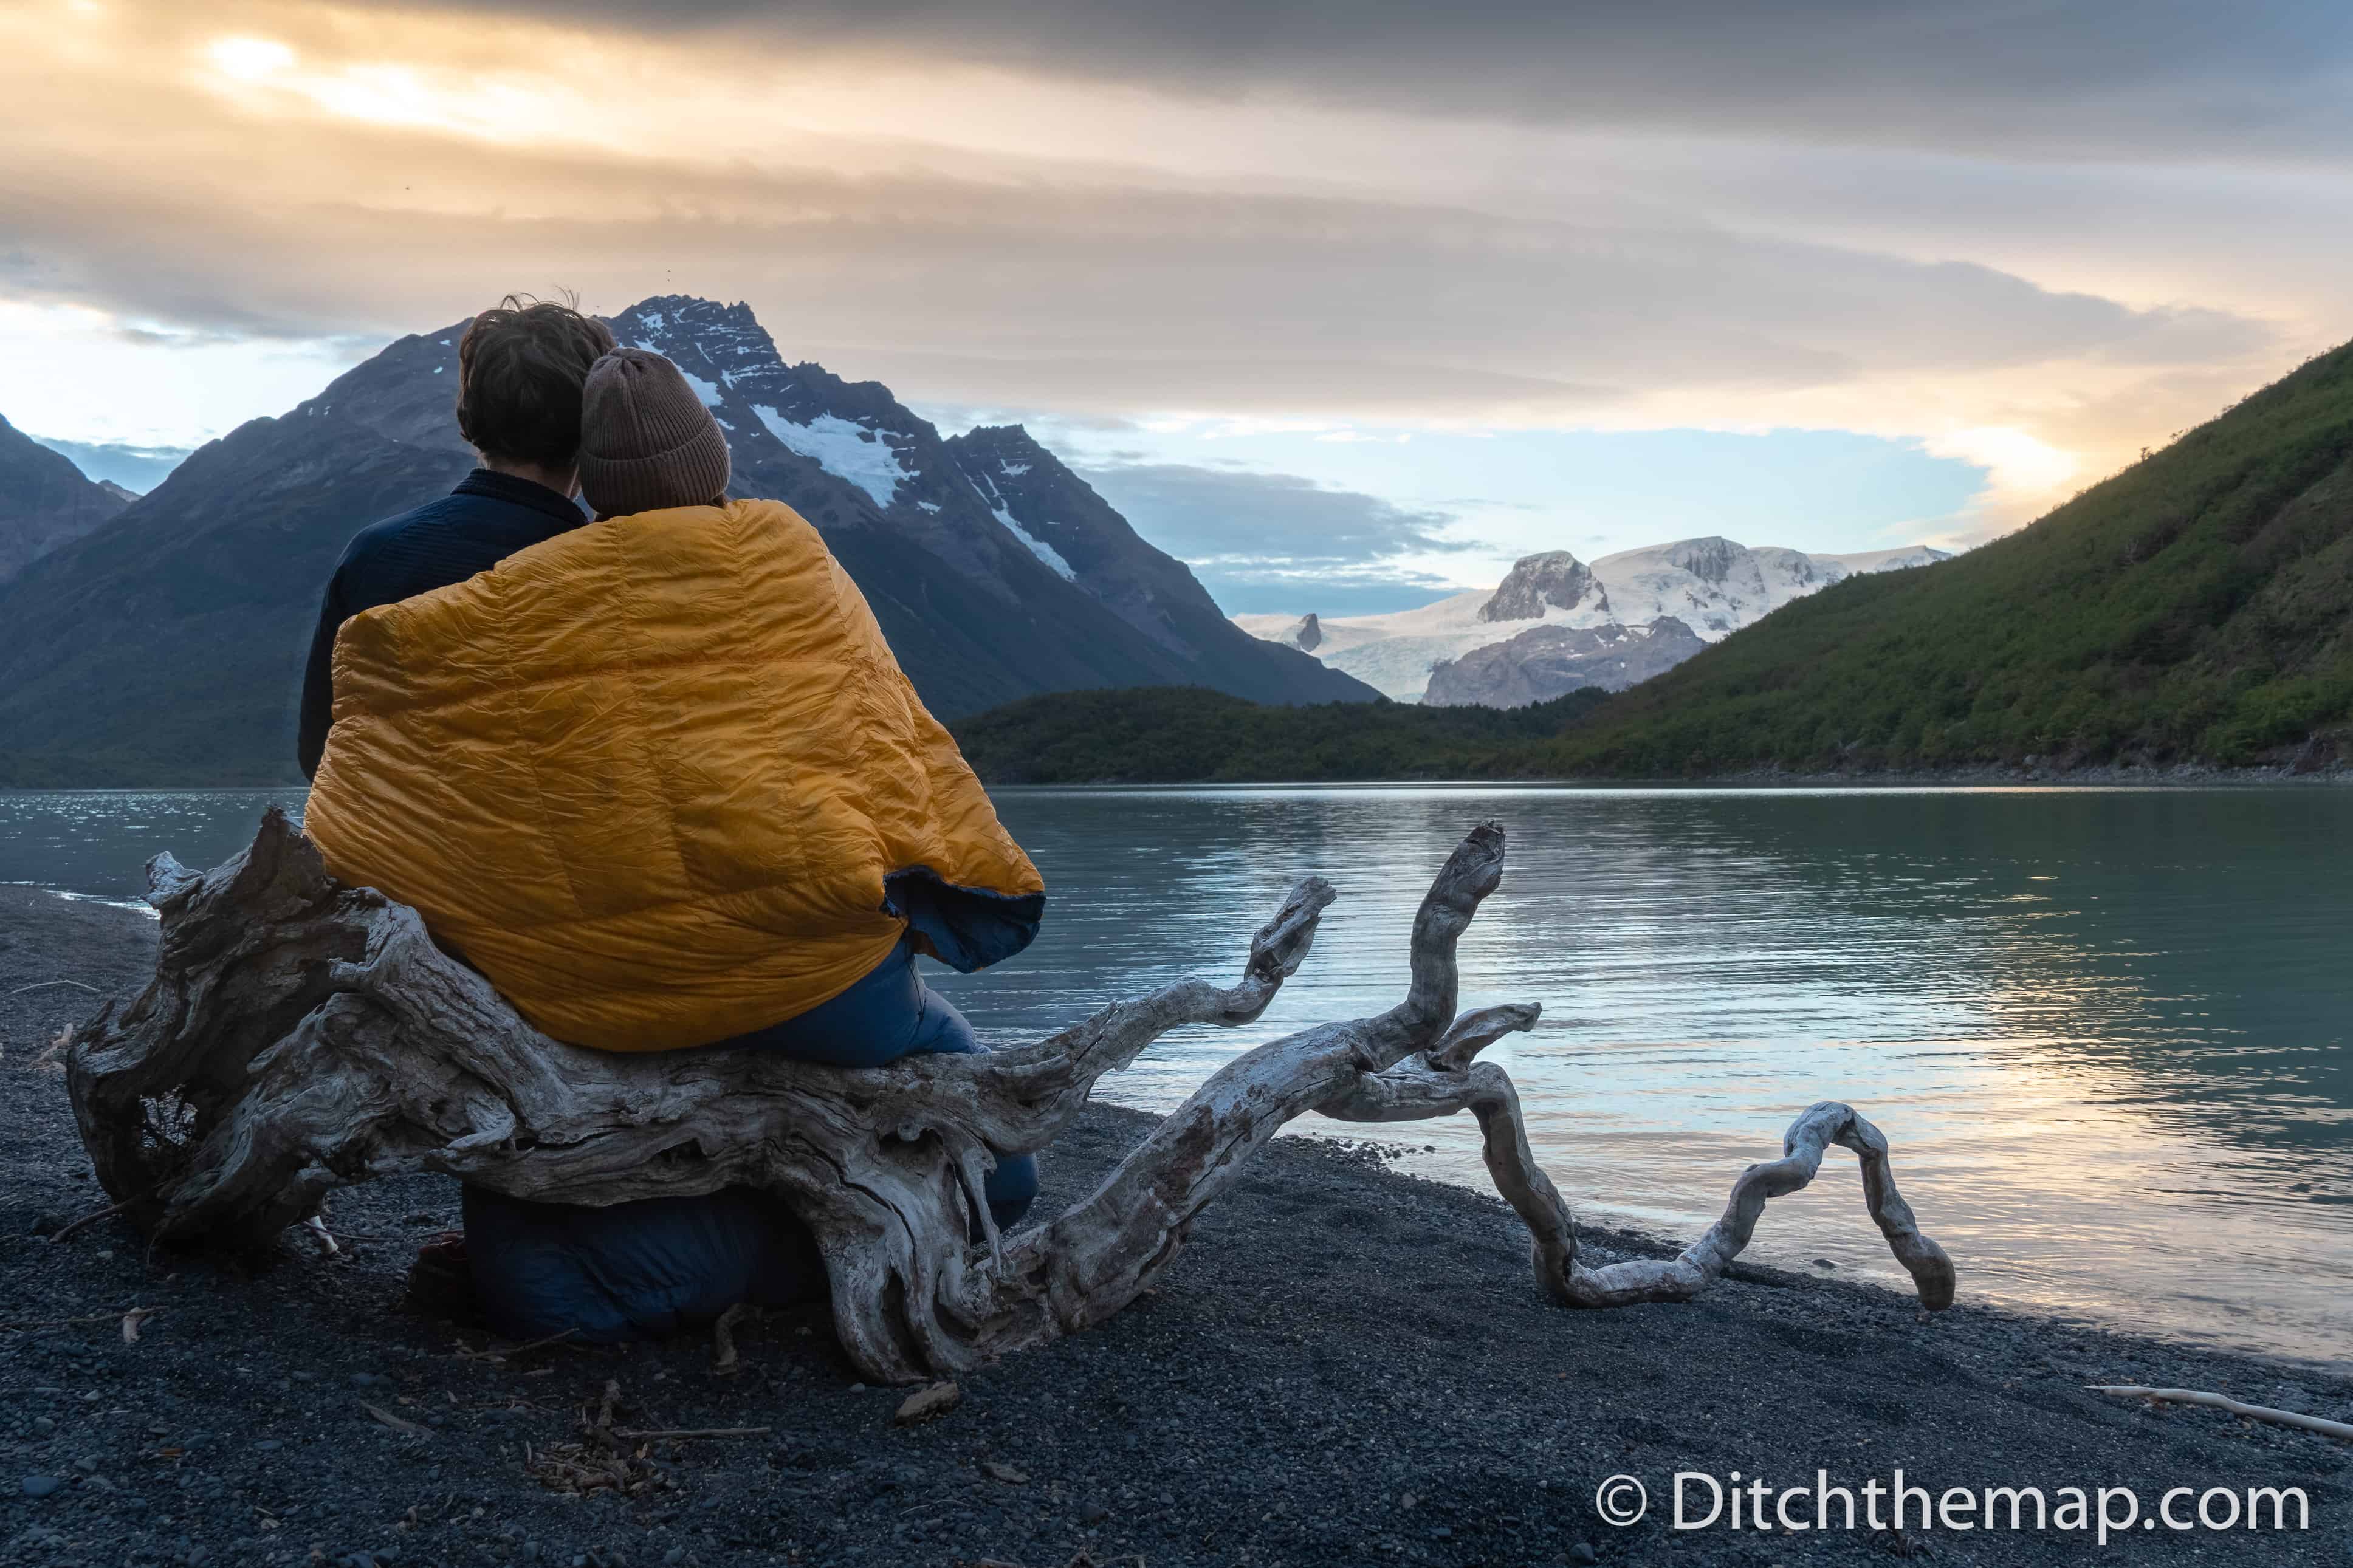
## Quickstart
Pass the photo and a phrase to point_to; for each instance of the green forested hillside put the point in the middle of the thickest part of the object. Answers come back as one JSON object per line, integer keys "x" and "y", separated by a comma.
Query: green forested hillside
{"x": 1188, "y": 734}
{"x": 2197, "y": 606}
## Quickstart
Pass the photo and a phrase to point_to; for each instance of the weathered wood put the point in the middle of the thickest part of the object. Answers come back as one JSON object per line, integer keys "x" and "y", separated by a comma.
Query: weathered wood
{"x": 301, "y": 1035}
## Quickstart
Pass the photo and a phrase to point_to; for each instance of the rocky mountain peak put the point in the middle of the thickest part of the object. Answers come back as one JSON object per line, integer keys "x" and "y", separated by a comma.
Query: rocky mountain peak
{"x": 1549, "y": 661}
{"x": 727, "y": 337}
{"x": 1711, "y": 560}
{"x": 1553, "y": 578}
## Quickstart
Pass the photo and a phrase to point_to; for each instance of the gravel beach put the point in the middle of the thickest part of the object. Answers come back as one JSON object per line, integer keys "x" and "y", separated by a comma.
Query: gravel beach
{"x": 1347, "y": 1366}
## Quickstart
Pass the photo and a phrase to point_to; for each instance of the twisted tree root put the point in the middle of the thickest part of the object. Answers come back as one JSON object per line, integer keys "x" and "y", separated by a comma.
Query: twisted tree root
{"x": 301, "y": 1035}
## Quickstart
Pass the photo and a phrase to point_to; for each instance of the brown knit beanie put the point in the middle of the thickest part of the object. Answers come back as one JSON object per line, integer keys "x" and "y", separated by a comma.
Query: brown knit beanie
{"x": 646, "y": 440}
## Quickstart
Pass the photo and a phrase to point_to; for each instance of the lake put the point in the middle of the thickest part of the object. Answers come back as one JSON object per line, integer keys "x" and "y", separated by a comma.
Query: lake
{"x": 2104, "y": 1030}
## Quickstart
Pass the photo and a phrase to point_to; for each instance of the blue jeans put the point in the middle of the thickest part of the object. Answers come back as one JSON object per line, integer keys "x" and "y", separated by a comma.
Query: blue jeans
{"x": 636, "y": 1270}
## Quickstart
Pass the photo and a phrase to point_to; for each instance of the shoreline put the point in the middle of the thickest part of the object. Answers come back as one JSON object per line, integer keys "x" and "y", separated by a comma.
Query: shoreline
{"x": 1761, "y": 779}
{"x": 2180, "y": 775}
{"x": 1347, "y": 1364}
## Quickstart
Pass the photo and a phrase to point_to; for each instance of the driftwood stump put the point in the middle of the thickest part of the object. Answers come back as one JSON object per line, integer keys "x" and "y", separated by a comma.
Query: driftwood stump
{"x": 301, "y": 1035}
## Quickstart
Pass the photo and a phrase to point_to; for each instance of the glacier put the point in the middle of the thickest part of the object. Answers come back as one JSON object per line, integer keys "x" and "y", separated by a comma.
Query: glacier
{"x": 845, "y": 450}
{"x": 1713, "y": 585}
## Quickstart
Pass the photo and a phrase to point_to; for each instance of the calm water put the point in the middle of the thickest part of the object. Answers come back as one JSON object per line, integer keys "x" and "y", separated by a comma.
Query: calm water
{"x": 2105, "y": 1030}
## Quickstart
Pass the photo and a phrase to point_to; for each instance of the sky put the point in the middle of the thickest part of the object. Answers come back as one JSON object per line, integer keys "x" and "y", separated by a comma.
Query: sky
{"x": 1348, "y": 302}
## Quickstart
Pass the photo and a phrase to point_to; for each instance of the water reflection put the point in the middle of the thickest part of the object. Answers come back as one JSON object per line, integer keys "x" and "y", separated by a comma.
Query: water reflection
{"x": 2105, "y": 1029}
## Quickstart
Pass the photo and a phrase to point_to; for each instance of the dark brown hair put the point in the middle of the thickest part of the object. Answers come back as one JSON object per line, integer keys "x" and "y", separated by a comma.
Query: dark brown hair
{"x": 520, "y": 367}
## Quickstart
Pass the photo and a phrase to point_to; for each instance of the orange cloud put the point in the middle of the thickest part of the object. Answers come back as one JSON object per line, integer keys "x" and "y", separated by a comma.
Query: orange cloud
{"x": 987, "y": 233}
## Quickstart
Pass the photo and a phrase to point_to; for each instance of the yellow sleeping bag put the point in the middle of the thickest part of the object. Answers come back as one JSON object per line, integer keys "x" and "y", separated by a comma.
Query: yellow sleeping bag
{"x": 658, "y": 778}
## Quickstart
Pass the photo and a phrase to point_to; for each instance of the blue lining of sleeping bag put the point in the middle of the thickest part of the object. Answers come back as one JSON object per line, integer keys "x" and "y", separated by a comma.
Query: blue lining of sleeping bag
{"x": 963, "y": 928}
{"x": 639, "y": 1269}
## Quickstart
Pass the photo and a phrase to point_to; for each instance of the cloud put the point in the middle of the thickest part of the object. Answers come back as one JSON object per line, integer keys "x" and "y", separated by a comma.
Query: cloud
{"x": 1266, "y": 541}
{"x": 1877, "y": 218}
{"x": 1105, "y": 297}
{"x": 2123, "y": 79}
{"x": 134, "y": 468}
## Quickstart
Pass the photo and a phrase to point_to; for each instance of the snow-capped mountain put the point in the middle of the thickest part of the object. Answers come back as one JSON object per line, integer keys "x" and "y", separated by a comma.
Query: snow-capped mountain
{"x": 1001, "y": 530}
{"x": 165, "y": 644}
{"x": 1712, "y": 586}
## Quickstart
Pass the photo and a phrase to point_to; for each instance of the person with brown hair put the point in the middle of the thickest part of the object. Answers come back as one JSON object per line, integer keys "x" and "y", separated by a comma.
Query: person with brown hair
{"x": 521, "y": 367}
{"x": 660, "y": 781}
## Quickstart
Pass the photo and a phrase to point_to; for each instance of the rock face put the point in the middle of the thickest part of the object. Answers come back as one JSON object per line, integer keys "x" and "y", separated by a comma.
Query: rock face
{"x": 1306, "y": 633}
{"x": 45, "y": 501}
{"x": 1556, "y": 578}
{"x": 167, "y": 646}
{"x": 1077, "y": 534}
{"x": 1545, "y": 662}
{"x": 1712, "y": 586}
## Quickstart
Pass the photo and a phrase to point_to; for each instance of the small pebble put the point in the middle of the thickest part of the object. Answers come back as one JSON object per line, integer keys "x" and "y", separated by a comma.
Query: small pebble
{"x": 269, "y": 1445}
{"x": 368, "y": 1379}
{"x": 42, "y": 1486}
{"x": 1093, "y": 1513}
{"x": 1581, "y": 1553}
{"x": 43, "y": 1423}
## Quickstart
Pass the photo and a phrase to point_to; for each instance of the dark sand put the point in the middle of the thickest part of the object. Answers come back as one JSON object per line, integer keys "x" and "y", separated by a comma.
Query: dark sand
{"x": 1346, "y": 1366}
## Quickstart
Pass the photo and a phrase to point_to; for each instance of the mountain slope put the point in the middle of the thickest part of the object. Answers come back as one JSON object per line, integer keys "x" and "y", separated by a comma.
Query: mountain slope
{"x": 1076, "y": 533}
{"x": 978, "y": 611}
{"x": 1545, "y": 662}
{"x": 45, "y": 500}
{"x": 2197, "y": 606}
{"x": 1712, "y": 586}
{"x": 165, "y": 646}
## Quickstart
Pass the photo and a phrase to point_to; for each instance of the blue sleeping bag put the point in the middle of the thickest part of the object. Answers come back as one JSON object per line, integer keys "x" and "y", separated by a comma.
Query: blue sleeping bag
{"x": 637, "y": 1270}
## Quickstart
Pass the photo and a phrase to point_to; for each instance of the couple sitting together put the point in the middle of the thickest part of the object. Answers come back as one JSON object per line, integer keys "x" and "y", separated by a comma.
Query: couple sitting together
{"x": 656, "y": 774}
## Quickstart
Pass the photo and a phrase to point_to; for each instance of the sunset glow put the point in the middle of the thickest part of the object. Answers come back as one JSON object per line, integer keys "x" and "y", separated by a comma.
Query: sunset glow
{"x": 1978, "y": 274}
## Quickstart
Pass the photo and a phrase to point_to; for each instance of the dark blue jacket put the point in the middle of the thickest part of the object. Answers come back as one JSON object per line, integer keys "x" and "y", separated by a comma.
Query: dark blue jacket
{"x": 485, "y": 520}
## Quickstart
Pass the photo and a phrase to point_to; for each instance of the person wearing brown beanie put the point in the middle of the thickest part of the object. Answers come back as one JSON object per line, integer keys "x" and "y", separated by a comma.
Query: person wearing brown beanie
{"x": 647, "y": 442}
{"x": 661, "y": 781}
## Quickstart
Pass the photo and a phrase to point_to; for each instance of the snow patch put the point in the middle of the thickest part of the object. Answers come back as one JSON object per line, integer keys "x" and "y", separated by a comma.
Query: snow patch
{"x": 1013, "y": 470}
{"x": 928, "y": 505}
{"x": 986, "y": 488}
{"x": 1038, "y": 547}
{"x": 706, "y": 390}
{"x": 847, "y": 451}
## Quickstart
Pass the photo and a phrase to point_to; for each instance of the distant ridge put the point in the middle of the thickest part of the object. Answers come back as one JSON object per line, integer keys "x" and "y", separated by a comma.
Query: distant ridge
{"x": 45, "y": 503}
{"x": 1710, "y": 586}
